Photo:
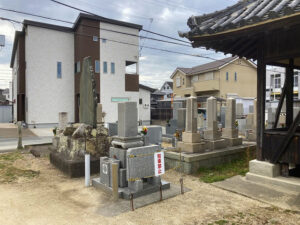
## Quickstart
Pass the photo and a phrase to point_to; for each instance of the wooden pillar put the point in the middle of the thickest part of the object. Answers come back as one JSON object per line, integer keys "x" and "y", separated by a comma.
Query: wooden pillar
{"x": 261, "y": 97}
{"x": 289, "y": 93}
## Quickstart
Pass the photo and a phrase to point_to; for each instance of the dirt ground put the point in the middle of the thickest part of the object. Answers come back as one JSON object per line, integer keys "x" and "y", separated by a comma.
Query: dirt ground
{"x": 52, "y": 198}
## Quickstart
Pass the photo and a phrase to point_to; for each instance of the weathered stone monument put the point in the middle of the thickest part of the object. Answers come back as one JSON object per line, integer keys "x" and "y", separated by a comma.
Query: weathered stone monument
{"x": 62, "y": 120}
{"x": 136, "y": 172}
{"x": 212, "y": 134}
{"x": 231, "y": 133}
{"x": 89, "y": 136}
{"x": 88, "y": 97}
{"x": 191, "y": 139}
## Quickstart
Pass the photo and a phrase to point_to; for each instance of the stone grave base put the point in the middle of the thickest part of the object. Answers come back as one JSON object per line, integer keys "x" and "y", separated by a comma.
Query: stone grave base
{"x": 216, "y": 144}
{"x": 191, "y": 162}
{"x": 234, "y": 141}
{"x": 192, "y": 147}
{"x": 73, "y": 168}
{"x": 125, "y": 192}
{"x": 191, "y": 137}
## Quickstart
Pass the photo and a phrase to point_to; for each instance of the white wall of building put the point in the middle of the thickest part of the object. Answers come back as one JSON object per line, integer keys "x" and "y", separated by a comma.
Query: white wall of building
{"x": 47, "y": 95}
{"x": 144, "y": 108}
{"x": 112, "y": 86}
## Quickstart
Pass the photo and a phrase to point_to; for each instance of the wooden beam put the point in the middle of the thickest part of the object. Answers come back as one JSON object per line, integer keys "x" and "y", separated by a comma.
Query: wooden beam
{"x": 261, "y": 97}
{"x": 287, "y": 140}
{"x": 246, "y": 48}
{"x": 289, "y": 93}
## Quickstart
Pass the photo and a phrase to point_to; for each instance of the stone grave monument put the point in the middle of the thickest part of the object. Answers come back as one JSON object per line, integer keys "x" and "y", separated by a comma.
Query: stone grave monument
{"x": 89, "y": 136}
{"x": 251, "y": 124}
{"x": 88, "y": 97}
{"x": 136, "y": 172}
{"x": 62, "y": 120}
{"x": 191, "y": 139}
{"x": 231, "y": 132}
{"x": 212, "y": 134}
{"x": 172, "y": 126}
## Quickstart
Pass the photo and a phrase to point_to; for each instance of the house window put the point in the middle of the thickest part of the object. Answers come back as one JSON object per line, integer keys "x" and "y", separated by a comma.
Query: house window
{"x": 178, "y": 82}
{"x": 59, "y": 70}
{"x": 235, "y": 76}
{"x": 95, "y": 38}
{"x": 227, "y": 76}
{"x": 103, "y": 40}
{"x": 104, "y": 67}
{"x": 119, "y": 99}
{"x": 209, "y": 76}
{"x": 141, "y": 101}
{"x": 97, "y": 66}
{"x": 296, "y": 80}
{"x": 77, "y": 67}
{"x": 277, "y": 81}
{"x": 182, "y": 81}
{"x": 195, "y": 78}
{"x": 112, "y": 68}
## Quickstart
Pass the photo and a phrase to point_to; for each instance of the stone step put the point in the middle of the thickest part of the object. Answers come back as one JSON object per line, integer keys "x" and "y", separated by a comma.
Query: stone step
{"x": 287, "y": 183}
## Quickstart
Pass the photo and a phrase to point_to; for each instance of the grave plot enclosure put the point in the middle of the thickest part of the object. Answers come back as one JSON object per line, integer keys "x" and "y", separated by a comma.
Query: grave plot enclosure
{"x": 269, "y": 33}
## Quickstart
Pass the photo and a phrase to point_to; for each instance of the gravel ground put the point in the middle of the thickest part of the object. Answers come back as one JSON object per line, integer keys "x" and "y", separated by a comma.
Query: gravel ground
{"x": 52, "y": 198}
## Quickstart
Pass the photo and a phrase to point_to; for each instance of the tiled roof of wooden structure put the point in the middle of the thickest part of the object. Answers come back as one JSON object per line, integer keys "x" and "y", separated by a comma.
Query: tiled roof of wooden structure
{"x": 243, "y": 13}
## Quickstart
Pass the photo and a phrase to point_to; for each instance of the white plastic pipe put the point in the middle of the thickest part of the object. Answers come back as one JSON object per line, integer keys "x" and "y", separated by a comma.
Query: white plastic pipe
{"x": 87, "y": 169}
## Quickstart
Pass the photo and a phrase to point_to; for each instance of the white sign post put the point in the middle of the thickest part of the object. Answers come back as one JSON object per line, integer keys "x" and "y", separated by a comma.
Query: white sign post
{"x": 159, "y": 163}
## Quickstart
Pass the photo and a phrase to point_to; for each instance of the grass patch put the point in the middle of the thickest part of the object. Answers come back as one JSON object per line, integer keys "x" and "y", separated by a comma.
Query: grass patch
{"x": 221, "y": 222}
{"x": 226, "y": 170}
{"x": 10, "y": 173}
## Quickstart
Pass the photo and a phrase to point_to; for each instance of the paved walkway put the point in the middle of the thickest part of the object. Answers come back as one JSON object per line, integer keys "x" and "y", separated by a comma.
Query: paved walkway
{"x": 274, "y": 195}
{"x": 34, "y": 136}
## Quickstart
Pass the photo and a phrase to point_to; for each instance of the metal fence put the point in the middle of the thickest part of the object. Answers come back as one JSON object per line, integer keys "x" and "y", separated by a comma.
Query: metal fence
{"x": 161, "y": 113}
{"x": 5, "y": 113}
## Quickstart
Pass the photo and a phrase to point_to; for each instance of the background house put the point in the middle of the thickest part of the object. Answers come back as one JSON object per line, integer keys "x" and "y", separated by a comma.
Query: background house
{"x": 49, "y": 83}
{"x": 219, "y": 78}
{"x": 144, "y": 108}
{"x": 167, "y": 88}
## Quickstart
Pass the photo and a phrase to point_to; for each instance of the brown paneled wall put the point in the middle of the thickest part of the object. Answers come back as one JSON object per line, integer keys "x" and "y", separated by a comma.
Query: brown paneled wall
{"x": 21, "y": 61}
{"x": 85, "y": 46}
{"x": 21, "y": 87}
{"x": 131, "y": 82}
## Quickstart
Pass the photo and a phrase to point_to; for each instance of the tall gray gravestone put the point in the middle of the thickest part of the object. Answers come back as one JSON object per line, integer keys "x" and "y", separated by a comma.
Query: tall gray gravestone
{"x": 88, "y": 97}
{"x": 231, "y": 131}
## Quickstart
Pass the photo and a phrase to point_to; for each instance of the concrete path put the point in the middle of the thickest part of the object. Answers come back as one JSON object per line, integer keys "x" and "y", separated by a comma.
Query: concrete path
{"x": 10, "y": 144}
{"x": 34, "y": 136}
{"x": 266, "y": 193}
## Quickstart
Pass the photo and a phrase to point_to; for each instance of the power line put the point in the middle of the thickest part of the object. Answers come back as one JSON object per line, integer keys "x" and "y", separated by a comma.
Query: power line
{"x": 119, "y": 32}
{"x": 98, "y": 15}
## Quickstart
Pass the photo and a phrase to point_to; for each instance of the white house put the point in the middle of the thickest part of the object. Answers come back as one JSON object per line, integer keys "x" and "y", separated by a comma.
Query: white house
{"x": 167, "y": 88}
{"x": 275, "y": 81}
{"x": 47, "y": 60}
{"x": 145, "y": 104}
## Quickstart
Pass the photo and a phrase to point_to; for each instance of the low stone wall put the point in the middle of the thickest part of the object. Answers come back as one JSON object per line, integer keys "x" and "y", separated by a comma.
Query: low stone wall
{"x": 192, "y": 162}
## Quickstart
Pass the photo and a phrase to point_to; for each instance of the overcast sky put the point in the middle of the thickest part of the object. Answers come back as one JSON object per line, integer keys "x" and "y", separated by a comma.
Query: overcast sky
{"x": 169, "y": 17}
